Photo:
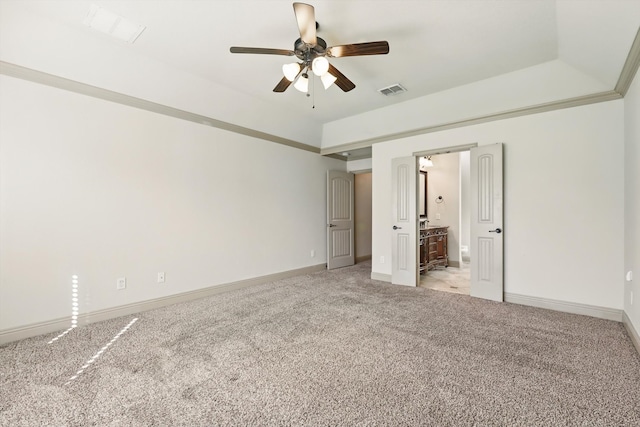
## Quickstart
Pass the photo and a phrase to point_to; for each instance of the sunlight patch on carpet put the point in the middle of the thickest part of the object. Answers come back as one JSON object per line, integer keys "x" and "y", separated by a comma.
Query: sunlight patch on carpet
{"x": 102, "y": 350}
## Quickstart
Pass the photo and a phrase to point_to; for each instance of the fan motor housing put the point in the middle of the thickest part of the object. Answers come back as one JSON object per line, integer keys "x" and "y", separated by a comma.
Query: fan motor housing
{"x": 307, "y": 53}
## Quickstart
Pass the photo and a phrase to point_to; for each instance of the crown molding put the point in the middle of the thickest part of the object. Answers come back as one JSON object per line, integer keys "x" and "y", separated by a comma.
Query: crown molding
{"x": 337, "y": 157}
{"x": 627, "y": 75}
{"x": 517, "y": 112}
{"x": 35, "y": 76}
{"x": 630, "y": 67}
{"x": 624, "y": 82}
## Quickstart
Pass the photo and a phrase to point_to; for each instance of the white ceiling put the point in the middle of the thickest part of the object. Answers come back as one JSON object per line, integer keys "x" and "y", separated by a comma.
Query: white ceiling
{"x": 434, "y": 46}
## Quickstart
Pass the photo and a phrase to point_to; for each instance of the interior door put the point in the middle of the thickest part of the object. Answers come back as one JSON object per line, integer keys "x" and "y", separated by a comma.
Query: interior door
{"x": 404, "y": 244}
{"x": 486, "y": 223}
{"x": 340, "y": 227}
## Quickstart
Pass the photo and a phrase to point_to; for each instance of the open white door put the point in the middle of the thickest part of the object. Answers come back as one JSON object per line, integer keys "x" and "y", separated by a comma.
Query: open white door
{"x": 404, "y": 242}
{"x": 340, "y": 241}
{"x": 486, "y": 223}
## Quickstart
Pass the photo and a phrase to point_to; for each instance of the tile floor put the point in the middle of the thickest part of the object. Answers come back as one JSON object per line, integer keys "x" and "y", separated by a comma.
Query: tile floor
{"x": 450, "y": 279}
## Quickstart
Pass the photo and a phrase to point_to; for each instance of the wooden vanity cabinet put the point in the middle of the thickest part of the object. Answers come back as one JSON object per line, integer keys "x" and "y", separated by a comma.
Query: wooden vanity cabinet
{"x": 433, "y": 248}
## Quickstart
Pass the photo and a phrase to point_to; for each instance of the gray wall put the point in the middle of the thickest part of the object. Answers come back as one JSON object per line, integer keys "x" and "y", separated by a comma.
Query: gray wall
{"x": 103, "y": 191}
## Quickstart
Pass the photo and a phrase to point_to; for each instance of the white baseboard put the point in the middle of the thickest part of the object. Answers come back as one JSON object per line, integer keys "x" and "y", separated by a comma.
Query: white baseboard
{"x": 381, "y": 276}
{"x": 20, "y": 333}
{"x": 633, "y": 333}
{"x": 565, "y": 306}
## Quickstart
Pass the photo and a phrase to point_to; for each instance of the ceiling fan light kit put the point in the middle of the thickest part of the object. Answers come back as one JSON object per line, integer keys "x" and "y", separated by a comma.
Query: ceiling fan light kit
{"x": 320, "y": 66}
{"x": 302, "y": 84}
{"x": 328, "y": 79}
{"x": 291, "y": 71}
{"x": 313, "y": 52}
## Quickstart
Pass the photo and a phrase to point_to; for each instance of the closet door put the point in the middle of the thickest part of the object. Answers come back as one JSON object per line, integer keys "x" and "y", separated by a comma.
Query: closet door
{"x": 340, "y": 223}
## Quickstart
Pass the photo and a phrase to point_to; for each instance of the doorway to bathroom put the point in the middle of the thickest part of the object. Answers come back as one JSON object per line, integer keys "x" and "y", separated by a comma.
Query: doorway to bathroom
{"x": 486, "y": 217}
{"x": 443, "y": 206}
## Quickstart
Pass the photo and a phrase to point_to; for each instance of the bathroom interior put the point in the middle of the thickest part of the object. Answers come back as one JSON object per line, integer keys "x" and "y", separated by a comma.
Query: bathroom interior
{"x": 444, "y": 255}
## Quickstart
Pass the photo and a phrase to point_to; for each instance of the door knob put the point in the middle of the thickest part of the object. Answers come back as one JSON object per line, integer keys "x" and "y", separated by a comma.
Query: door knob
{"x": 395, "y": 227}
{"x": 332, "y": 225}
{"x": 497, "y": 230}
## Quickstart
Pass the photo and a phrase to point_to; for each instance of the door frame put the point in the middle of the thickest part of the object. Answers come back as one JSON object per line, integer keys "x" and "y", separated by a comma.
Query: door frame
{"x": 355, "y": 230}
{"x": 434, "y": 152}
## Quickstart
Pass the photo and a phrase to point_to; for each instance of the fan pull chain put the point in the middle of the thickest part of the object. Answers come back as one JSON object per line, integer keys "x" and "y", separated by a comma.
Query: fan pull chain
{"x": 313, "y": 89}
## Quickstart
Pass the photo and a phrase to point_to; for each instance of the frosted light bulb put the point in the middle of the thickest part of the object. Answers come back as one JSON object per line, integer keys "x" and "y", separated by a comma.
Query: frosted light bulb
{"x": 320, "y": 66}
{"x": 290, "y": 71}
{"x": 303, "y": 83}
{"x": 327, "y": 80}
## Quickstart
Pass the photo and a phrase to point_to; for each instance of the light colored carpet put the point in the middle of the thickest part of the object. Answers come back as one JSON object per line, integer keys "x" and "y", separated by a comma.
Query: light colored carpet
{"x": 330, "y": 348}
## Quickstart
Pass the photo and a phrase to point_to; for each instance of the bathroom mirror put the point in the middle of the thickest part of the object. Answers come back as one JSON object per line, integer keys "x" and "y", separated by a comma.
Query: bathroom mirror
{"x": 422, "y": 191}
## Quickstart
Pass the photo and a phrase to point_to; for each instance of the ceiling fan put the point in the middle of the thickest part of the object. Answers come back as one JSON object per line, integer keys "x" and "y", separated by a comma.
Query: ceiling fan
{"x": 312, "y": 51}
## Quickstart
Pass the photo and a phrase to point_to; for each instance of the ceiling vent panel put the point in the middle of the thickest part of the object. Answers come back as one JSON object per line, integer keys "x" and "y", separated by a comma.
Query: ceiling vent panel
{"x": 392, "y": 90}
{"x": 112, "y": 24}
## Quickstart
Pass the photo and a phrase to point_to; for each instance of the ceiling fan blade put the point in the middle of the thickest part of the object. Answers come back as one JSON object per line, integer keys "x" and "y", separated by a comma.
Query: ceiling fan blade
{"x": 359, "y": 49}
{"x": 341, "y": 80}
{"x": 282, "y": 85}
{"x": 306, "y": 17}
{"x": 260, "y": 50}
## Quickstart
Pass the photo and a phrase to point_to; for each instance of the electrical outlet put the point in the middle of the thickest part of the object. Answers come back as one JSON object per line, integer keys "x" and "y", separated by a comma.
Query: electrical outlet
{"x": 161, "y": 277}
{"x": 313, "y": 253}
{"x": 382, "y": 259}
{"x": 121, "y": 283}
{"x": 437, "y": 216}
{"x": 631, "y": 299}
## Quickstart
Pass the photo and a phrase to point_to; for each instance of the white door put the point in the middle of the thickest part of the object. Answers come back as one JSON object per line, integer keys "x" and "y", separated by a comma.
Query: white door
{"x": 486, "y": 222}
{"x": 404, "y": 242}
{"x": 340, "y": 246}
